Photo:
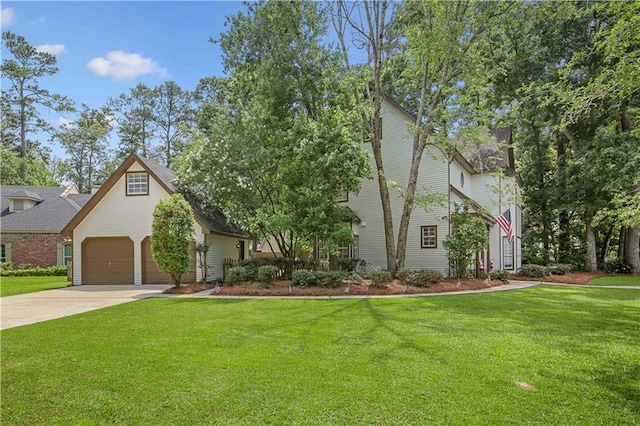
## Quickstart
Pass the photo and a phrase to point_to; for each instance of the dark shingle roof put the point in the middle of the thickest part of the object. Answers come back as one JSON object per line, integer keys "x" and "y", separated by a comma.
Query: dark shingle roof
{"x": 51, "y": 214}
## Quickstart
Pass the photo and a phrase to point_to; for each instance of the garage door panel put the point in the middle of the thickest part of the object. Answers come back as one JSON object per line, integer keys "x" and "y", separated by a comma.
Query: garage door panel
{"x": 107, "y": 260}
{"x": 150, "y": 272}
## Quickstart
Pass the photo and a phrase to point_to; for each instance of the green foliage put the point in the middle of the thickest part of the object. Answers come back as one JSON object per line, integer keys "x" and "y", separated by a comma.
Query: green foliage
{"x": 329, "y": 279}
{"x": 469, "y": 236}
{"x": 267, "y": 274}
{"x": 352, "y": 264}
{"x": 534, "y": 271}
{"x": 405, "y": 275}
{"x": 499, "y": 274}
{"x": 426, "y": 277}
{"x": 618, "y": 266}
{"x": 284, "y": 265}
{"x": 280, "y": 141}
{"x": 305, "y": 279}
{"x": 561, "y": 268}
{"x": 6, "y": 270}
{"x": 171, "y": 236}
{"x": 380, "y": 277}
{"x": 235, "y": 275}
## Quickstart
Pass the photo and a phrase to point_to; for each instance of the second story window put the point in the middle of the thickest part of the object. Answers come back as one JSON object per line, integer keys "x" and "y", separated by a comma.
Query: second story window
{"x": 137, "y": 183}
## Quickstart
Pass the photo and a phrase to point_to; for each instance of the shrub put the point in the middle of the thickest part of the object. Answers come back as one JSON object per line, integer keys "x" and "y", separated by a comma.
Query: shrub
{"x": 332, "y": 279}
{"x": 267, "y": 274}
{"x": 352, "y": 265}
{"x": 405, "y": 275}
{"x": 618, "y": 266}
{"x": 285, "y": 266}
{"x": 560, "y": 268}
{"x": 426, "y": 277}
{"x": 534, "y": 271}
{"x": 35, "y": 271}
{"x": 305, "y": 278}
{"x": 380, "y": 277}
{"x": 235, "y": 275}
{"x": 499, "y": 274}
{"x": 354, "y": 278}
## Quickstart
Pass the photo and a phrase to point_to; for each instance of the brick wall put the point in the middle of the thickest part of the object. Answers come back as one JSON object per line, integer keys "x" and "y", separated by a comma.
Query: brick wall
{"x": 34, "y": 249}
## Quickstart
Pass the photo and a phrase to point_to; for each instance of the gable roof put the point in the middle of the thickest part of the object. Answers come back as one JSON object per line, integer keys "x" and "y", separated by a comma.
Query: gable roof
{"x": 55, "y": 208}
{"x": 214, "y": 222}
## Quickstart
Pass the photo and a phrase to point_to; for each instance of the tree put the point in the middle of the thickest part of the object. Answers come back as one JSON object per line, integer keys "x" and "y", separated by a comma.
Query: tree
{"x": 280, "y": 142}
{"x": 469, "y": 237}
{"x": 172, "y": 112}
{"x": 171, "y": 236}
{"x": 24, "y": 94}
{"x": 86, "y": 144}
{"x": 136, "y": 124}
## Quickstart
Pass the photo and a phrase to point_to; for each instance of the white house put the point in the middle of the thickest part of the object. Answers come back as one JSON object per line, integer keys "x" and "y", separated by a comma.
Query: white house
{"x": 468, "y": 177}
{"x": 111, "y": 233}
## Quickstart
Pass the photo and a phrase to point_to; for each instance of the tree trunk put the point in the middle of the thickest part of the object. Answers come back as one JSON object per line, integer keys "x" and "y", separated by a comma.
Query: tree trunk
{"x": 622, "y": 242}
{"x": 632, "y": 249}
{"x": 606, "y": 244}
{"x": 564, "y": 238}
{"x": 591, "y": 261}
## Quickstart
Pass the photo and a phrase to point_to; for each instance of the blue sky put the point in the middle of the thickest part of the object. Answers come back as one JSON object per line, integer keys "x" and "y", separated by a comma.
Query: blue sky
{"x": 105, "y": 48}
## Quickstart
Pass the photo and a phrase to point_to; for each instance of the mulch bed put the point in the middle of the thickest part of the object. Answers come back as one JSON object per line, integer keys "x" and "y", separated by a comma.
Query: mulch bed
{"x": 281, "y": 288}
{"x": 189, "y": 288}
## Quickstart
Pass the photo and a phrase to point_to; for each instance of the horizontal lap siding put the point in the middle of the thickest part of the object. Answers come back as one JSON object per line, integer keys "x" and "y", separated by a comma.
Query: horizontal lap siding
{"x": 221, "y": 247}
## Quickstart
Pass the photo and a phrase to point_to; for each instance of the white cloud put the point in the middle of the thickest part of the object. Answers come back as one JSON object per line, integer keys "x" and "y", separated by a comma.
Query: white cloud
{"x": 8, "y": 16}
{"x": 64, "y": 122}
{"x": 54, "y": 49}
{"x": 125, "y": 66}
{"x": 113, "y": 120}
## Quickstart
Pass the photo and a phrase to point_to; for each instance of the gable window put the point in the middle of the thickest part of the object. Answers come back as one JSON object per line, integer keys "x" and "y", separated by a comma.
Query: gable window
{"x": 18, "y": 205}
{"x": 137, "y": 183}
{"x": 429, "y": 236}
{"x": 344, "y": 196}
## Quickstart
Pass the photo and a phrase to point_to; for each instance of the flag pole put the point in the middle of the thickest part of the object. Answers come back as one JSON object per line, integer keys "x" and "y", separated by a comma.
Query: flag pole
{"x": 499, "y": 227}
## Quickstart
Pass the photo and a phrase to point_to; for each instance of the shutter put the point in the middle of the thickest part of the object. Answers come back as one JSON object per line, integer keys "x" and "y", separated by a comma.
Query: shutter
{"x": 7, "y": 252}
{"x": 59, "y": 253}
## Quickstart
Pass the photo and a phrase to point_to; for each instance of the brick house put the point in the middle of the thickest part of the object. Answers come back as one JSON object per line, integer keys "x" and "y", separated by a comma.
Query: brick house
{"x": 31, "y": 218}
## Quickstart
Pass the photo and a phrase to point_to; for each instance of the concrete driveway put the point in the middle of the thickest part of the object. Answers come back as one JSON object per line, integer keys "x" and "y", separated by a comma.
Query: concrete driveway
{"x": 30, "y": 308}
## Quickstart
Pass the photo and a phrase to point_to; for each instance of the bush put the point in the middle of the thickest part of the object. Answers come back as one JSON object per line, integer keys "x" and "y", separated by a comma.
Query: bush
{"x": 352, "y": 265}
{"x": 499, "y": 274}
{"x": 235, "y": 275}
{"x": 35, "y": 271}
{"x": 354, "y": 278}
{"x": 380, "y": 277}
{"x": 618, "y": 266}
{"x": 332, "y": 279}
{"x": 306, "y": 278}
{"x": 285, "y": 266}
{"x": 561, "y": 268}
{"x": 267, "y": 274}
{"x": 426, "y": 277}
{"x": 405, "y": 275}
{"x": 534, "y": 271}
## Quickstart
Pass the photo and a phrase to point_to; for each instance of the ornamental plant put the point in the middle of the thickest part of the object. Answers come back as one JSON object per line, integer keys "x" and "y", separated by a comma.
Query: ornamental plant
{"x": 171, "y": 236}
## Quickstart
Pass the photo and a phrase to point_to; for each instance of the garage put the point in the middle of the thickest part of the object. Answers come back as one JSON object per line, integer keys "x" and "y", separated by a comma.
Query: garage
{"x": 107, "y": 260}
{"x": 150, "y": 272}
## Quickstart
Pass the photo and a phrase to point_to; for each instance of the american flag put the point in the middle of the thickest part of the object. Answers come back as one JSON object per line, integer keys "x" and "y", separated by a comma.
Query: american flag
{"x": 504, "y": 220}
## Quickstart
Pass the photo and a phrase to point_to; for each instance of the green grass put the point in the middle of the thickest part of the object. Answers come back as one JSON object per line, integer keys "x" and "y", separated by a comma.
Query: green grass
{"x": 629, "y": 280}
{"x": 452, "y": 360}
{"x": 10, "y": 286}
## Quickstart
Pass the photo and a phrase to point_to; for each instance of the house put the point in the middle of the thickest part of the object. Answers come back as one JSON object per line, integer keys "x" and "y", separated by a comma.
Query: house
{"x": 31, "y": 221}
{"x": 111, "y": 233}
{"x": 468, "y": 177}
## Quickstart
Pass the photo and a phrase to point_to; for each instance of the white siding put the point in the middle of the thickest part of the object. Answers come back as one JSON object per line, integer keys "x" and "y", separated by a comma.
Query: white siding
{"x": 120, "y": 215}
{"x": 221, "y": 247}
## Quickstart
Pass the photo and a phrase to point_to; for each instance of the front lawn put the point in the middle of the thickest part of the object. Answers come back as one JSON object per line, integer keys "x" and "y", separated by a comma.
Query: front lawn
{"x": 545, "y": 355}
{"x": 10, "y": 286}
{"x": 629, "y": 280}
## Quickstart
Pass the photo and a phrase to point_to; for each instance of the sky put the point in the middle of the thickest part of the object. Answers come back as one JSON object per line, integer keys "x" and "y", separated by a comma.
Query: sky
{"x": 104, "y": 48}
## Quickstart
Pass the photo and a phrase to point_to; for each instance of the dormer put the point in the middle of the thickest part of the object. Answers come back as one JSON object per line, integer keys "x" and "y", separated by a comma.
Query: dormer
{"x": 22, "y": 200}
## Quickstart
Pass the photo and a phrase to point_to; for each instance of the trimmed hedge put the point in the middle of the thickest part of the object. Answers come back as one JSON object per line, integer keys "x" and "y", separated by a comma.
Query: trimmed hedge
{"x": 380, "y": 277}
{"x": 285, "y": 266}
{"x": 534, "y": 271}
{"x": 426, "y": 277}
{"x": 319, "y": 278}
{"x": 235, "y": 275}
{"x": 561, "y": 268}
{"x": 34, "y": 271}
{"x": 499, "y": 274}
{"x": 267, "y": 274}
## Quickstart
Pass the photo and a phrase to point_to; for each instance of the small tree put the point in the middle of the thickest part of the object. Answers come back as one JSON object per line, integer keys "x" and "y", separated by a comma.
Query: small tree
{"x": 202, "y": 249}
{"x": 171, "y": 236}
{"x": 469, "y": 236}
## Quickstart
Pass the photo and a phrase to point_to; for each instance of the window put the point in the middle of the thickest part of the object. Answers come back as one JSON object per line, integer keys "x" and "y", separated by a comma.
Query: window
{"x": 461, "y": 180}
{"x": 344, "y": 196}
{"x": 137, "y": 183}
{"x": 67, "y": 251}
{"x": 507, "y": 253}
{"x": 18, "y": 205}
{"x": 429, "y": 236}
{"x": 346, "y": 251}
{"x": 3, "y": 253}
